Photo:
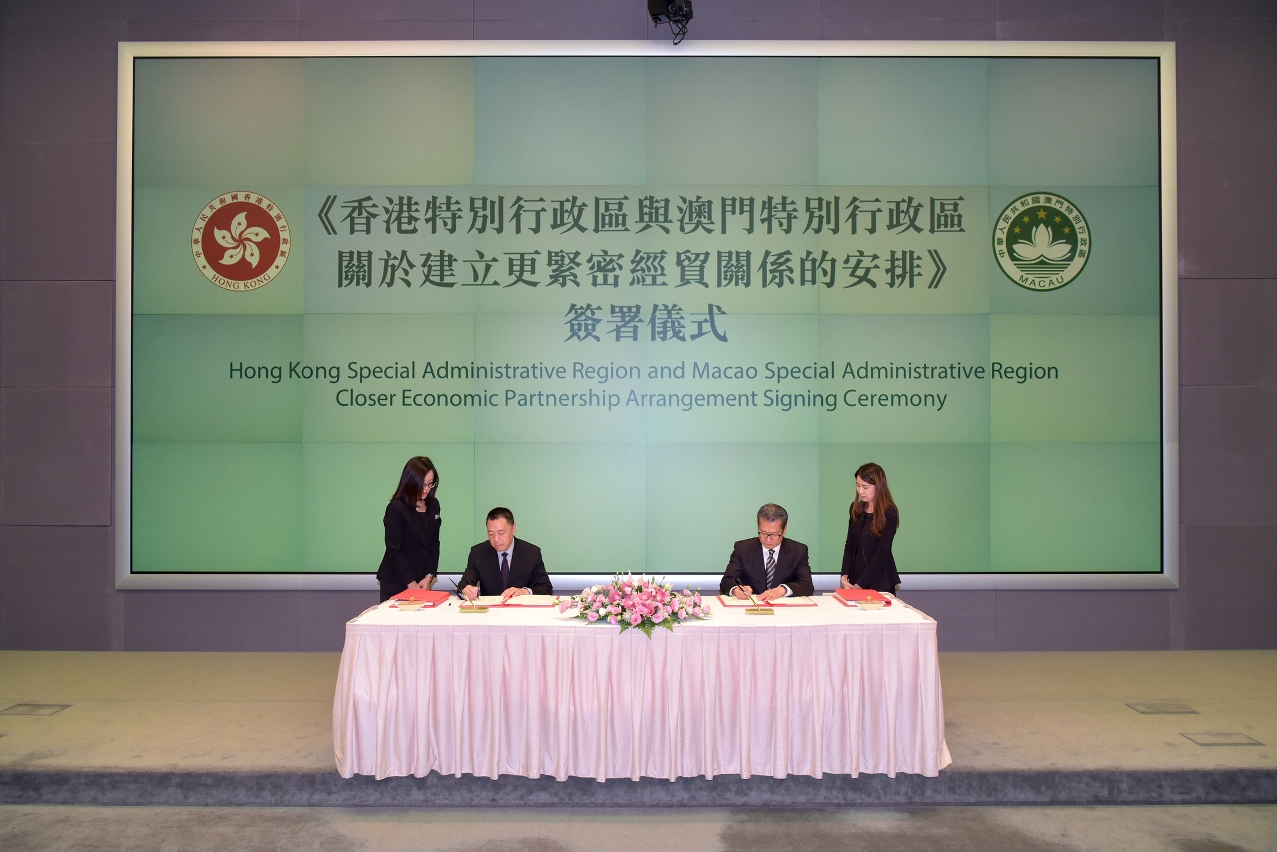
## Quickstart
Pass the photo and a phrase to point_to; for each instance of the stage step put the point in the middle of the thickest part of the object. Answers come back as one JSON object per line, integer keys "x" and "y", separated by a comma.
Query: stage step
{"x": 952, "y": 787}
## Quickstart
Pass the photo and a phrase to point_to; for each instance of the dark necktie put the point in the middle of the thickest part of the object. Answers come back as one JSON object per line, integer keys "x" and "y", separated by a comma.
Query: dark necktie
{"x": 771, "y": 567}
{"x": 505, "y": 571}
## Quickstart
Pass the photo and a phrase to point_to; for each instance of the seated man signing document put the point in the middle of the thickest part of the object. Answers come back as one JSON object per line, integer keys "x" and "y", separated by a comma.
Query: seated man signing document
{"x": 770, "y": 566}
{"x": 504, "y": 565}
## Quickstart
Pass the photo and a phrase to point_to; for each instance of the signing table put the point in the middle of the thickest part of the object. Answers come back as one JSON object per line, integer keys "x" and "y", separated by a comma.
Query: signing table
{"x": 532, "y": 692}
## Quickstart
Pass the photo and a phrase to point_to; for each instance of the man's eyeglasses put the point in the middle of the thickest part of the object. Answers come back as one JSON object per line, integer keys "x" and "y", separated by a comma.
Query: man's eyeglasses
{"x": 770, "y": 536}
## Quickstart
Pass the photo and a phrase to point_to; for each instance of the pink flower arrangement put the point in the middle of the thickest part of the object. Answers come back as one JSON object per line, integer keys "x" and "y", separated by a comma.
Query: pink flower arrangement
{"x": 641, "y": 604}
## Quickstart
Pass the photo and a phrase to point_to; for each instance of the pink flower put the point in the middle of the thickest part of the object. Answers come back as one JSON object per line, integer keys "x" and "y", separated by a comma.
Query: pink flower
{"x": 563, "y": 607}
{"x": 682, "y": 614}
{"x": 614, "y": 619}
{"x": 659, "y": 616}
{"x": 592, "y": 617}
{"x": 635, "y": 619}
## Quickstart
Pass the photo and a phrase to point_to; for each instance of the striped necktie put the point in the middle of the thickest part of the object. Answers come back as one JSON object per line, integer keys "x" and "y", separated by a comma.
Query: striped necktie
{"x": 771, "y": 566}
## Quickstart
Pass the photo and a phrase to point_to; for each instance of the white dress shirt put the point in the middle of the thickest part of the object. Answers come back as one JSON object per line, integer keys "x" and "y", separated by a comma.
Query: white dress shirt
{"x": 775, "y": 550}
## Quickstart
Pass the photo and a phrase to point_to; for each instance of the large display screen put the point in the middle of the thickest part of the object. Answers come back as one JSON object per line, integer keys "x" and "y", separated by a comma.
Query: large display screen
{"x": 634, "y": 297}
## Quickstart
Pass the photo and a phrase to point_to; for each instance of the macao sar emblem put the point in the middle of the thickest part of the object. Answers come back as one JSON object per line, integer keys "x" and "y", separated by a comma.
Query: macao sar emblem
{"x": 240, "y": 241}
{"x": 1041, "y": 241}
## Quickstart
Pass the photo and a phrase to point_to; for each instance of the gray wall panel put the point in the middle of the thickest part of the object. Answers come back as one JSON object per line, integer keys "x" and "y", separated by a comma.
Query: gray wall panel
{"x": 215, "y": 10}
{"x": 794, "y": 29}
{"x": 205, "y": 621}
{"x": 387, "y": 10}
{"x": 1221, "y": 10}
{"x": 1088, "y": 29}
{"x": 60, "y": 82}
{"x": 583, "y": 29}
{"x": 1226, "y": 331}
{"x": 918, "y": 10}
{"x": 57, "y": 334}
{"x": 55, "y": 588}
{"x": 4, "y": 31}
{"x": 67, "y": 10}
{"x": 214, "y": 31}
{"x": 757, "y": 10}
{"x": 1083, "y": 10}
{"x": 322, "y": 617}
{"x": 1224, "y": 191}
{"x": 553, "y": 10}
{"x": 1083, "y": 621}
{"x": 55, "y": 458}
{"x": 891, "y": 28}
{"x": 966, "y": 621}
{"x": 1227, "y": 79}
{"x": 1228, "y": 454}
{"x": 3, "y": 183}
{"x": 377, "y": 30}
{"x": 1231, "y": 585}
{"x": 51, "y": 185}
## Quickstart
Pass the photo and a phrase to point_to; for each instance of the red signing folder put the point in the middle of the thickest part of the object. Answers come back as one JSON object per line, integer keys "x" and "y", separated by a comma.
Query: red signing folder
{"x": 848, "y": 596}
{"x": 431, "y": 598}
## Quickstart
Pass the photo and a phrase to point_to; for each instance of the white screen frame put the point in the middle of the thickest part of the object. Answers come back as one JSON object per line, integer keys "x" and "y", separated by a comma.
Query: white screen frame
{"x": 1164, "y": 52}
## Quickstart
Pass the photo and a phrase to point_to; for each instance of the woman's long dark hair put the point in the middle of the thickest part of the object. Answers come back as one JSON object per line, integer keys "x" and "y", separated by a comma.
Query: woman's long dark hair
{"x": 412, "y": 480}
{"x": 877, "y": 477}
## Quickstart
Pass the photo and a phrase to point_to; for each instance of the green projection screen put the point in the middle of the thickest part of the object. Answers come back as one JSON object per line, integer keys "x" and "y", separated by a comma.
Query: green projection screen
{"x": 633, "y": 292}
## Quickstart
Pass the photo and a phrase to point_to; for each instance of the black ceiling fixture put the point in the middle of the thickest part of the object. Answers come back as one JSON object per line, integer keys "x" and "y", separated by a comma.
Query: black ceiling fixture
{"x": 676, "y": 13}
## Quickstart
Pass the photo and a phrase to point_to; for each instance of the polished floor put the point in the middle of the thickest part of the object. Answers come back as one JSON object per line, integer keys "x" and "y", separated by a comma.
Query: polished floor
{"x": 1003, "y": 711}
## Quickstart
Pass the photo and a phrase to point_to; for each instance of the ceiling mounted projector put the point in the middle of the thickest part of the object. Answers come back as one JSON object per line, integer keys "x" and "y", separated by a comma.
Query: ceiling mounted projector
{"x": 676, "y": 13}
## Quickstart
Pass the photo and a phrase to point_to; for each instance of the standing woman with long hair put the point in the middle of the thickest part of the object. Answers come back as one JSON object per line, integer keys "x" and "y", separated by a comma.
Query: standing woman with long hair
{"x": 867, "y": 562}
{"x": 412, "y": 531}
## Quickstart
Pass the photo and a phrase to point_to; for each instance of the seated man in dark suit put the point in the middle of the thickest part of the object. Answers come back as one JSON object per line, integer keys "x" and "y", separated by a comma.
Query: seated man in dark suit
{"x": 770, "y": 566}
{"x": 504, "y": 565}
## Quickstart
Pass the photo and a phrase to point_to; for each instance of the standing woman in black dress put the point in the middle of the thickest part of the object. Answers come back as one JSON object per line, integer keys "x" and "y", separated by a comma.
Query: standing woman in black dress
{"x": 412, "y": 531}
{"x": 867, "y": 562}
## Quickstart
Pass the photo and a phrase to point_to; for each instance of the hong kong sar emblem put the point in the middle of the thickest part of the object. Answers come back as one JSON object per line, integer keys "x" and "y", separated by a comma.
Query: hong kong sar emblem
{"x": 240, "y": 241}
{"x": 1041, "y": 241}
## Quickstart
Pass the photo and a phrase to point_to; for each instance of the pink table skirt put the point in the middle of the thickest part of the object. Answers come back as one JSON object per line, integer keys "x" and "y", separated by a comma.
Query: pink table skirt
{"x": 564, "y": 699}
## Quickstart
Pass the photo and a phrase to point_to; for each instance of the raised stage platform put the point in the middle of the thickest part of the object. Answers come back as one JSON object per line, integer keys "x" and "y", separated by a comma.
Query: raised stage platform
{"x": 204, "y": 729}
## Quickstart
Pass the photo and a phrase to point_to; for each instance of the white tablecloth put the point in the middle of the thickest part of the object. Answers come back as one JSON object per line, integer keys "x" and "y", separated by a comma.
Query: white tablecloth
{"x": 530, "y": 692}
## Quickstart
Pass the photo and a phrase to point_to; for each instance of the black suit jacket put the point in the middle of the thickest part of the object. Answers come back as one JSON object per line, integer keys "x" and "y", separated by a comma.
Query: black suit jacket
{"x": 866, "y": 558}
{"x": 412, "y": 548}
{"x": 527, "y": 571}
{"x": 745, "y": 568}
